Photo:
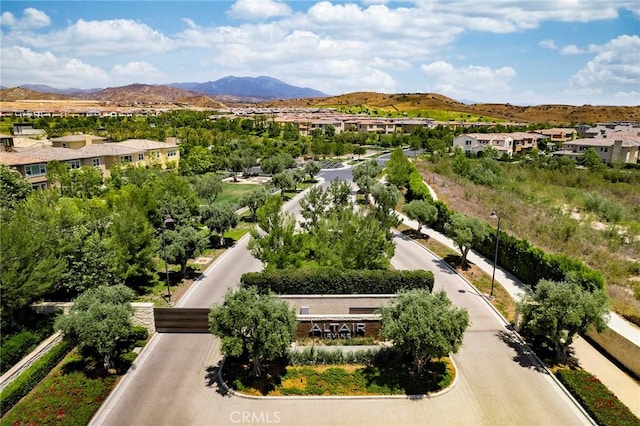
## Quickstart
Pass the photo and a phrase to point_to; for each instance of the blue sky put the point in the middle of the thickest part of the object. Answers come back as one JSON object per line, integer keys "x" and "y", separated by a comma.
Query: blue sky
{"x": 521, "y": 52}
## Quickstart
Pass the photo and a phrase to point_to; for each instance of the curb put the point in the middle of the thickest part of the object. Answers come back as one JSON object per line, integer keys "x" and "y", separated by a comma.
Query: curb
{"x": 515, "y": 334}
{"x": 414, "y": 397}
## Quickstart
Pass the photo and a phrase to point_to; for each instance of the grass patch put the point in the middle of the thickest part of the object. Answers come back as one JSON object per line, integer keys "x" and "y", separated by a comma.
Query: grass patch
{"x": 68, "y": 395}
{"x": 596, "y": 398}
{"x": 231, "y": 192}
{"x": 356, "y": 379}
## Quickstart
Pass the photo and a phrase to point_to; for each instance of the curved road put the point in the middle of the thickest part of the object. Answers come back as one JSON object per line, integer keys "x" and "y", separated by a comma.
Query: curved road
{"x": 173, "y": 381}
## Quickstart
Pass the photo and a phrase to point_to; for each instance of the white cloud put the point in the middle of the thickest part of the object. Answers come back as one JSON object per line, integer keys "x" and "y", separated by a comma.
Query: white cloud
{"x": 615, "y": 66}
{"x": 22, "y": 65}
{"x": 258, "y": 9}
{"x": 31, "y": 18}
{"x": 470, "y": 82}
{"x": 548, "y": 44}
{"x": 98, "y": 38}
{"x": 136, "y": 71}
{"x": 571, "y": 49}
{"x": 632, "y": 95}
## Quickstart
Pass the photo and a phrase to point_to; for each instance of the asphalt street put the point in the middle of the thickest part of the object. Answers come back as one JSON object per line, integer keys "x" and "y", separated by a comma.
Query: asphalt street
{"x": 173, "y": 380}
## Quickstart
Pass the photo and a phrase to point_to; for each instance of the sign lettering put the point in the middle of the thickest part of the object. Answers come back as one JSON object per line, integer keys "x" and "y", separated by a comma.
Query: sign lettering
{"x": 336, "y": 330}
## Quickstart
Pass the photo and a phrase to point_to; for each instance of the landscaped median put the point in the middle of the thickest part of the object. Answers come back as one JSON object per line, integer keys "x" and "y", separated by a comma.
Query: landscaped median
{"x": 354, "y": 373}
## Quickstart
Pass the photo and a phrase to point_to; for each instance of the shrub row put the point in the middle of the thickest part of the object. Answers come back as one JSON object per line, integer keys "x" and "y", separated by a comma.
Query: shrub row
{"x": 596, "y": 398}
{"x": 380, "y": 357}
{"x": 32, "y": 376}
{"x": 527, "y": 262}
{"x": 334, "y": 281}
{"x": 417, "y": 189}
{"x": 15, "y": 347}
{"x": 312, "y": 356}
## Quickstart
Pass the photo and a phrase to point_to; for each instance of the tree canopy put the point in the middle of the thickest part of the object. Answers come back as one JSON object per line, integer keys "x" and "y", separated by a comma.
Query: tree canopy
{"x": 98, "y": 319}
{"x": 421, "y": 211}
{"x": 258, "y": 326}
{"x": 424, "y": 325}
{"x": 398, "y": 168}
{"x": 557, "y": 311}
{"x": 467, "y": 232}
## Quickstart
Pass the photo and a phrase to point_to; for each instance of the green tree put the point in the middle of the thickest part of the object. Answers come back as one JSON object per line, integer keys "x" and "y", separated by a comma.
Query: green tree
{"x": 591, "y": 160}
{"x": 421, "y": 211}
{"x": 313, "y": 206}
{"x": 386, "y": 198}
{"x": 197, "y": 160}
{"x": 282, "y": 181}
{"x": 398, "y": 168}
{"x": 364, "y": 176}
{"x": 13, "y": 188}
{"x": 312, "y": 168}
{"x": 130, "y": 237}
{"x": 207, "y": 187}
{"x": 347, "y": 239}
{"x": 338, "y": 192}
{"x": 86, "y": 182}
{"x": 59, "y": 175}
{"x": 275, "y": 243}
{"x": 98, "y": 320}
{"x": 219, "y": 218}
{"x": 467, "y": 232}
{"x": 253, "y": 200}
{"x": 258, "y": 326}
{"x": 30, "y": 263}
{"x": 424, "y": 325}
{"x": 235, "y": 165}
{"x": 557, "y": 311}
{"x": 184, "y": 243}
{"x": 290, "y": 132}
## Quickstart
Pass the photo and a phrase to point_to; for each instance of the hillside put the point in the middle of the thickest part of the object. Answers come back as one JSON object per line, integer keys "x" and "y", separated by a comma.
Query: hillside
{"x": 139, "y": 94}
{"x": 414, "y": 102}
{"x": 423, "y": 104}
{"x": 21, "y": 94}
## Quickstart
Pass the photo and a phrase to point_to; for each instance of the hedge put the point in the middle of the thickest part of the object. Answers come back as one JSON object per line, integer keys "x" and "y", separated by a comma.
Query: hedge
{"x": 597, "y": 399}
{"x": 15, "y": 347}
{"x": 525, "y": 261}
{"x": 32, "y": 376}
{"x": 334, "y": 281}
{"x": 417, "y": 189}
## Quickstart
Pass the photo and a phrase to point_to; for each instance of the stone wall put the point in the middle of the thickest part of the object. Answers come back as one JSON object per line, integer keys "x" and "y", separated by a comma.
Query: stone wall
{"x": 142, "y": 312}
{"x": 143, "y": 316}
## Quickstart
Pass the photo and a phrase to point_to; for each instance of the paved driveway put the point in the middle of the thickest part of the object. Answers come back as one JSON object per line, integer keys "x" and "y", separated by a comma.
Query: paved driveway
{"x": 172, "y": 382}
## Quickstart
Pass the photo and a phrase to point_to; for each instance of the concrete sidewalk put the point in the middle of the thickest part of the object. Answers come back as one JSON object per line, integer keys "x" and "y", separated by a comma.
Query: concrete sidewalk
{"x": 623, "y": 386}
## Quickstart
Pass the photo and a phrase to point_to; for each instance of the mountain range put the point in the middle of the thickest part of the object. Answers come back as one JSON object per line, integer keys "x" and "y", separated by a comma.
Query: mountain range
{"x": 269, "y": 92}
{"x": 250, "y": 89}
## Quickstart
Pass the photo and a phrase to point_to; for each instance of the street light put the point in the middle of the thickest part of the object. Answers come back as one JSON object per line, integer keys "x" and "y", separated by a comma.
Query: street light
{"x": 167, "y": 220}
{"x": 495, "y": 215}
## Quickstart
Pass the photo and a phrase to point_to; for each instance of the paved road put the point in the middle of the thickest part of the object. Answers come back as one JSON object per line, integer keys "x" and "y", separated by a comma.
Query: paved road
{"x": 172, "y": 382}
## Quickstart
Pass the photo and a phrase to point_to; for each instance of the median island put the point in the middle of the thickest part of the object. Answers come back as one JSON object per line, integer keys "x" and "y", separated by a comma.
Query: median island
{"x": 336, "y": 344}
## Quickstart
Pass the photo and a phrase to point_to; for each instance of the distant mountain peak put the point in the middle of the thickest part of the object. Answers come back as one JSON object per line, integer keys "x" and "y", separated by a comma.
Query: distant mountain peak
{"x": 261, "y": 87}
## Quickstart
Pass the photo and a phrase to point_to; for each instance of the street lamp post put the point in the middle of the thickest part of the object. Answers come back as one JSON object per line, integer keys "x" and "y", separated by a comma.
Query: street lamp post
{"x": 495, "y": 215}
{"x": 167, "y": 220}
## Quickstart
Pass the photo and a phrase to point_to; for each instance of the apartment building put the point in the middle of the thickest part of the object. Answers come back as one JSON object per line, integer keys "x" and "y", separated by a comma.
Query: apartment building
{"x": 81, "y": 151}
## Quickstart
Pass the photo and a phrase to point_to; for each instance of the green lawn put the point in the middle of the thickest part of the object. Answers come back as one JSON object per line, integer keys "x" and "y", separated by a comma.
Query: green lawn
{"x": 231, "y": 192}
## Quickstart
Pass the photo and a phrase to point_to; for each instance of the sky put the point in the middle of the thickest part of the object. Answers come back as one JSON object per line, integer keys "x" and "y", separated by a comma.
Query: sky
{"x": 520, "y": 52}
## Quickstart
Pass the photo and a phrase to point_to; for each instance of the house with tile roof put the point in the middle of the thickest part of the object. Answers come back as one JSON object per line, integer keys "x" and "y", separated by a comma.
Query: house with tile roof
{"x": 88, "y": 151}
{"x": 621, "y": 148}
